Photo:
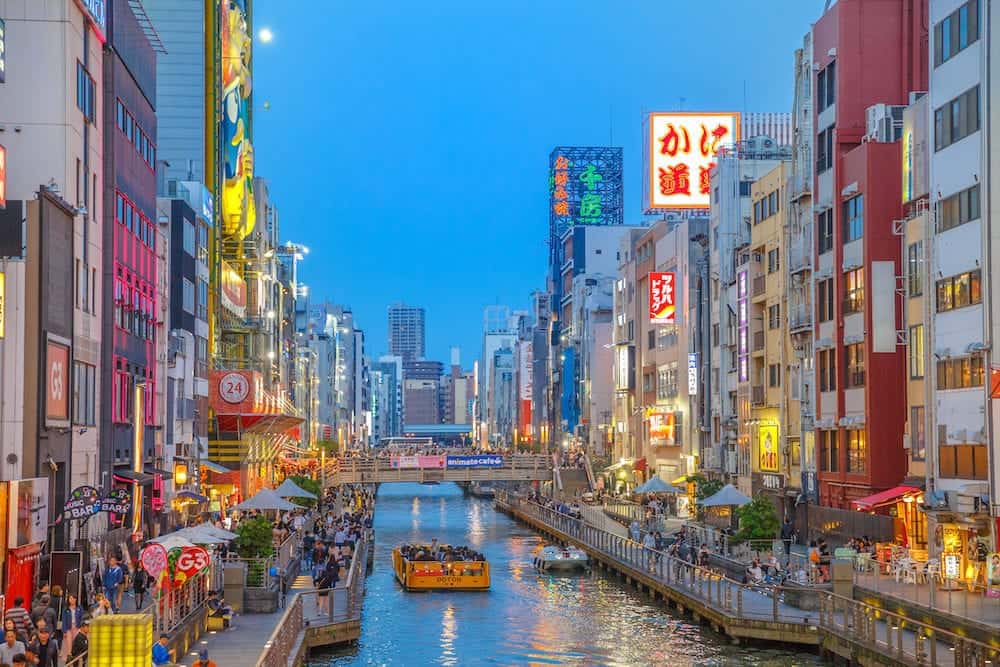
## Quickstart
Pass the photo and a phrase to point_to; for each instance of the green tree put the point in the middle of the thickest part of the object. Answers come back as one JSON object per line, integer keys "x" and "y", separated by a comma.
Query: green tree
{"x": 758, "y": 520}
{"x": 254, "y": 538}
{"x": 705, "y": 488}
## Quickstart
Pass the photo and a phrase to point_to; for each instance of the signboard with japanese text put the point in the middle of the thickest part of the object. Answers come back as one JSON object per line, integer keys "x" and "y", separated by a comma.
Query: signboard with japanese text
{"x": 767, "y": 443}
{"x": 57, "y": 384}
{"x": 743, "y": 332}
{"x": 3, "y": 52}
{"x": 28, "y": 512}
{"x": 234, "y": 290}
{"x": 585, "y": 187}
{"x": 692, "y": 373}
{"x": 662, "y": 298}
{"x": 916, "y": 159}
{"x": 623, "y": 368}
{"x": 681, "y": 151}
{"x": 662, "y": 425}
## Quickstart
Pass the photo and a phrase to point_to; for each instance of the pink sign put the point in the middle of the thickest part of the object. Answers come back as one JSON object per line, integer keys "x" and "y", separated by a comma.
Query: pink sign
{"x": 432, "y": 461}
{"x": 405, "y": 461}
{"x": 154, "y": 560}
{"x": 191, "y": 561}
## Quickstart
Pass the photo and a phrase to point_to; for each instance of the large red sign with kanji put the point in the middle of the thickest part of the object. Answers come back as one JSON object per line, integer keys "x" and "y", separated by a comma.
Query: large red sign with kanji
{"x": 681, "y": 153}
{"x": 662, "y": 293}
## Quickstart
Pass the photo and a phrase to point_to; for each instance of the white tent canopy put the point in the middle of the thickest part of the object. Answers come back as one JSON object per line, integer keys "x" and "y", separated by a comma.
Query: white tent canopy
{"x": 727, "y": 495}
{"x": 266, "y": 499}
{"x": 289, "y": 489}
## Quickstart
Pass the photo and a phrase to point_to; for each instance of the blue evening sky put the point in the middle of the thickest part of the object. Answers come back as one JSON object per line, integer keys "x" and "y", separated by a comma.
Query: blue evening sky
{"x": 407, "y": 143}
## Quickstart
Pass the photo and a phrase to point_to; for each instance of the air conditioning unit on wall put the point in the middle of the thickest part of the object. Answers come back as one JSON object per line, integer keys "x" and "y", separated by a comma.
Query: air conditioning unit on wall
{"x": 884, "y": 122}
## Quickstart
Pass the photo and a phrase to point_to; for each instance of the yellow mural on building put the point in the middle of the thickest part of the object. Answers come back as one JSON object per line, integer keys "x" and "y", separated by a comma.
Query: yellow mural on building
{"x": 238, "y": 211}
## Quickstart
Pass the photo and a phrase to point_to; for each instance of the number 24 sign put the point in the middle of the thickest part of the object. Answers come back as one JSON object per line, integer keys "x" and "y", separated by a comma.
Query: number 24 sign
{"x": 234, "y": 388}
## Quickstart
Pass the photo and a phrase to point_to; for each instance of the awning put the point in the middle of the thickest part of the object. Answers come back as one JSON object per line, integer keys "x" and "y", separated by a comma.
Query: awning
{"x": 883, "y": 497}
{"x": 260, "y": 424}
{"x": 150, "y": 470}
{"x": 130, "y": 477}
{"x": 683, "y": 479}
{"x": 191, "y": 495}
{"x": 214, "y": 467}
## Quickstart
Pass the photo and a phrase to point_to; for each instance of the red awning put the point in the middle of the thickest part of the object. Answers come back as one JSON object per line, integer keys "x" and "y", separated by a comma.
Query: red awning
{"x": 263, "y": 424}
{"x": 883, "y": 497}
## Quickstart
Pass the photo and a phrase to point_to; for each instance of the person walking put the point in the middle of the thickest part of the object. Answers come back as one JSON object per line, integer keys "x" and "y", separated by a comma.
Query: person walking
{"x": 81, "y": 642}
{"x": 787, "y": 537}
{"x": 72, "y": 620}
{"x": 21, "y": 618}
{"x": 140, "y": 582}
{"x": 112, "y": 581}
{"x": 11, "y": 647}
{"x": 323, "y": 585}
{"x": 203, "y": 660}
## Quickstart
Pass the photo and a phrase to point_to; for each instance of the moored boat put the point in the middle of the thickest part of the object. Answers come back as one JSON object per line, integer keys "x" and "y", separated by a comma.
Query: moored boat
{"x": 454, "y": 568}
{"x": 555, "y": 558}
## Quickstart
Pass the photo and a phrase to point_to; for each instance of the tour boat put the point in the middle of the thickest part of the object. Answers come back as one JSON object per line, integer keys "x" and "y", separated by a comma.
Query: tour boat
{"x": 554, "y": 558}
{"x": 481, "y": 490}
{"x": 431, "y": 575}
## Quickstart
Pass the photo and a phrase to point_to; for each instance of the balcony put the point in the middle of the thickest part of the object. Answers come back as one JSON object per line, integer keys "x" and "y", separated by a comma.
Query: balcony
{"x": 799, "y": 319}
{"x": 800, "y": 258}
{"x": 758, "y": 341}
{"x": 759, "y": 286}
{"x": 758, "y": 396}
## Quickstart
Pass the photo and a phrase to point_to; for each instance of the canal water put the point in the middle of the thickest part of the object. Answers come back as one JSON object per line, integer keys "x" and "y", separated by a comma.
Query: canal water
{"x": 527, "y": 618}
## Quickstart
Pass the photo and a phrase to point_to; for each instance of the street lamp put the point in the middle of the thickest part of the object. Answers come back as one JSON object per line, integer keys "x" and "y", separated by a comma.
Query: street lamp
{"x": 180, "y": 473}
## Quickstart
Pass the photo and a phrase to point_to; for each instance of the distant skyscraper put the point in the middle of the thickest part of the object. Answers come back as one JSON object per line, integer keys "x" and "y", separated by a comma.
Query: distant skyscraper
{"x": 406, "y": 331}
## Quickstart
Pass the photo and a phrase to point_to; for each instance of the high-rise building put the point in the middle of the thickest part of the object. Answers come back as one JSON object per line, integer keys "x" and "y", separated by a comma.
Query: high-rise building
{"x": 52, "y": 105}
{"x": 859, "y": 358}
{"x": 406, "y": 332}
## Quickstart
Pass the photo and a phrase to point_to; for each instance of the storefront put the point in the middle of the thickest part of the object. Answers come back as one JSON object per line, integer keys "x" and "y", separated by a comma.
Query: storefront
{"x": 903, "y": 504}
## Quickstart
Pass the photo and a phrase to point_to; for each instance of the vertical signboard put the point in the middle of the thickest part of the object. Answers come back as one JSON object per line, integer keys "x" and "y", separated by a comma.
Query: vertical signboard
{"x": 767, "y": 452}
{"x": 916, "y": 160}
{"x": 3, "y": 303}
{"x": 235, "y": 131}
{"x": 743, "y": 342}
{"x": 56, "y": 382}
{"x": 585, "y": 187}
{"x": 3, "y": 177}
{"x": 234, "y": 290}
{"x": 3, "y": 52}
{"x": 681, "y": 150}
{"x": 662, "y": 297}
{"x": 28, "y": 515}
{"x": 692, "y": 373}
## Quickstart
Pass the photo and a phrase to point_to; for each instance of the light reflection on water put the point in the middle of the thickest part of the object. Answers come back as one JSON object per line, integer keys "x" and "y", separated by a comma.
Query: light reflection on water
{"x": 526, "y": 618}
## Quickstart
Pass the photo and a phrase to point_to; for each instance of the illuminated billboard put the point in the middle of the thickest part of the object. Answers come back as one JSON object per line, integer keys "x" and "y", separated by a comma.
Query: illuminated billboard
{"x": 235, "y": 136}
{"x": 681, "y": 150}
{"x": 234, "y": 290}
{"x": 767, "y": 454}
{"x": 585, "y": 187}
{"x": 3, "y": 177}
{"x": 743, "y": 322}
{"x": 662, "y": 427}
{"x": 662, "y": 297}
{"x": 916, "y": 159}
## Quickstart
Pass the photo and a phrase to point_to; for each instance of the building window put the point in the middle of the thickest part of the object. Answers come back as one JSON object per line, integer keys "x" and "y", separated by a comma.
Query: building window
{"x": 774, "y": 316}
{"x": 854, "y": 365}
{"x": 918, "y": 443}
{"x": 853, "y": 218}
{"x": 756, "y": 212}
{"x": 956, "y": 119}
{"x": 188, "y": 303}
{"x": 795, "y": 447}
{"x": 959, "y": 208}
{"x": 84, "y": 394}
{"x": 829, "y": 456}
{"x": 827, "y": 370}
{"x": 773, "y": 260}
{"x": 189, "y": 235}
{"x": 661, "y": 384}
{"x": 915, "y": 268}
{"x": 824, "y": 150}
{"x": 959, "y": 291}
{"x": 826, "y": 86}
{"x": 824, "y": 299}
{"x": 824, "y": 228}
{"x": 854, "y": 291}
{"x": 857, "y": 450}
{"x": 916, "y": 351}
{"x": 200, "y": 357}
{"x": 956, "y": 32}
{"x": 651, "y": 339}
{"x": 745, "y": 187}
{"x": 963, "y": 461}
{"x": 960, "y": 372}
{"x": 774, "y": 375}
{"x": 201, "y": 311}
{"x": 86, "y": 98}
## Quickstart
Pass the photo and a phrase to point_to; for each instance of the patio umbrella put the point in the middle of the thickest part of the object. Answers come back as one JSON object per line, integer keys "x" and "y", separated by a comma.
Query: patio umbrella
{"x": 655, "y": 484}
{"x": 200, "y": 537}
{"x": 727, "y": 495}
{"x": 264, "y": 500}
{"x": 289, "y": 489}
{"x": 173, "y": 540}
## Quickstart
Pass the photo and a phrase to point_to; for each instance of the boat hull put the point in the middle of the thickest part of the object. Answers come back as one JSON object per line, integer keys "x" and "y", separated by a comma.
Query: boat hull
{"x": 435, "y": 576}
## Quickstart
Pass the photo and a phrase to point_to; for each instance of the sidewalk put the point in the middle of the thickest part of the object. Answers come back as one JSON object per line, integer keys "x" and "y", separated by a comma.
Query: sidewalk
{"x": 246, "y": 637}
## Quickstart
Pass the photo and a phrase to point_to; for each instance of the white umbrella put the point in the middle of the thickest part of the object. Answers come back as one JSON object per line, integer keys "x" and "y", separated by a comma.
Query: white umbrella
{"x": 173, "y": 540}
{"x": 264, "y": 500}
{"x": 727, "y": 495}
{"x": 201, "y": 536}
{"x": 289, "y": 489}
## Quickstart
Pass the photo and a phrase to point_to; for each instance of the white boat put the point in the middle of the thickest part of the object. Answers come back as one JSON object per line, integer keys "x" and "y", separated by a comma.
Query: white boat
{"x": 561, "y": 558}
{"x": 481, "y": 490}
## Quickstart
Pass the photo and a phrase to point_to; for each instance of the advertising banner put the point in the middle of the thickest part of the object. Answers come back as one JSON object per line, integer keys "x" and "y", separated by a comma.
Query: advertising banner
{"x": 585, "y": 187}
{"x": 405, "y": 462}
{"x": 431, "y": 461}
{"x": 681, "y": 151}
{"x": 84, "y": 501}
{"x": 235, "y": 392}
{"x": 234, "y": 290}
{"x": 692, "y": 373}
{"x": 29, "y": 511}
{"x": 662, "y": 297}
{"x": 993, "y": 576}
{"x": 767, "y": 439}
{"x": 3, "y": 177}
{"x": 661, "y": 427}
{"x": 483, "y": 461}
{"x": 117, "y": 501}
{"x": 57, "y": 381}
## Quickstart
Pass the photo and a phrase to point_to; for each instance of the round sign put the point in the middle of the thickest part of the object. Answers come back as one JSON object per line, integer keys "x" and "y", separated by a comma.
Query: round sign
{"x": 234, "y": 388}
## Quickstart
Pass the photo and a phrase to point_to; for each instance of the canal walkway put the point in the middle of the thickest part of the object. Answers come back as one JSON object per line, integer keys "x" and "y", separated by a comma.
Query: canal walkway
{"x": 838, "y": 625}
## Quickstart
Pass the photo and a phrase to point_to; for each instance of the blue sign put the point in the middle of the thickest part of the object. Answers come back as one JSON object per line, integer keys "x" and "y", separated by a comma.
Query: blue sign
{"x": 484, "y": 461}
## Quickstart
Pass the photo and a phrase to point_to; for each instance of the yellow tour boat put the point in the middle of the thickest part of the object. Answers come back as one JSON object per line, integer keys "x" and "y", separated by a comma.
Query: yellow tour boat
{"x": 453, "y": 568}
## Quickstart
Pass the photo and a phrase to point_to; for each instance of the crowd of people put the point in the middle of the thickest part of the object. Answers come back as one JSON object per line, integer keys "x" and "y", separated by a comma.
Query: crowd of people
{"x": 342, "y": 518}
{"x": 53, "y": 631}
{"x": 440, "y": 553}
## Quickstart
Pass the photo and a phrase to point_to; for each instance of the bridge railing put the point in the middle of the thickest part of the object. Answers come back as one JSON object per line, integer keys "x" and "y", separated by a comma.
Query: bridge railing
{"x": 374, "y": 468}
{"x": 735, "y": 599}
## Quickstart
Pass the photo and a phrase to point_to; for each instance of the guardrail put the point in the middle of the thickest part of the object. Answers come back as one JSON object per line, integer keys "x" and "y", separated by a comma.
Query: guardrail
{"x": 175, "y": 605}
{"x": 733, "y": 599}
{"x": 318, "y": 608}
{"x": 370, "y": 469}
{"x": 899, "y": 637}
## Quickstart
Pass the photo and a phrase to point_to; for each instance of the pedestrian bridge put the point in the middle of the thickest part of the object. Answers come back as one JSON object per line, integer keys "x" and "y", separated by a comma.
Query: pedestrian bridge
{"x": 439, "y": 468}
